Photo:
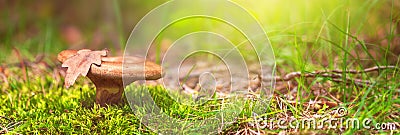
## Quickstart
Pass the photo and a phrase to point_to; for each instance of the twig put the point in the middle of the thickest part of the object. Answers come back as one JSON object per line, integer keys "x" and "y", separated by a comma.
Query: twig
{"x": 334, "y": 74}
{"x": 376, "y": 68}
{"x": 9, "y": 127}
{"x": 329, "y": 73}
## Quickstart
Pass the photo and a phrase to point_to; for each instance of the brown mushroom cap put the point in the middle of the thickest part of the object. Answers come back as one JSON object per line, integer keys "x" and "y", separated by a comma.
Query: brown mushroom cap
{"x": 133, "y": 71}
{"x": 111, "y": 67}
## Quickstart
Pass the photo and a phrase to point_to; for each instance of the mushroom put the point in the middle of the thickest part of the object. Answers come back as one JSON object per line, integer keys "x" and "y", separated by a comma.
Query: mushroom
{"x": 107, "y": 77}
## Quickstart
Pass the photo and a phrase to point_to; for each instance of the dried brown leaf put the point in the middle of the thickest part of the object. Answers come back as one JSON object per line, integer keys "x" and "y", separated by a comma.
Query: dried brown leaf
{"x": 80, "y": 63}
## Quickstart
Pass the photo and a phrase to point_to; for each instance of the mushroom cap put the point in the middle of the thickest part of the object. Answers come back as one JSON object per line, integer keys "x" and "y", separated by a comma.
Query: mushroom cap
{"x": 135, "y": 68}
{"x": 132, "y": 68}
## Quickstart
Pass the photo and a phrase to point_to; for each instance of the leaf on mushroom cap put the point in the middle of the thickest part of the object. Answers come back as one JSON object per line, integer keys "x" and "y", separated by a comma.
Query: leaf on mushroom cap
{"x": 80, "y": 63}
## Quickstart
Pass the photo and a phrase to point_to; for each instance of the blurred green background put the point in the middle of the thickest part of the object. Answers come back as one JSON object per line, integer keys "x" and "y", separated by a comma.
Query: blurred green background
{"x": 47, "y": 27}
{"x": 306, "y": 35}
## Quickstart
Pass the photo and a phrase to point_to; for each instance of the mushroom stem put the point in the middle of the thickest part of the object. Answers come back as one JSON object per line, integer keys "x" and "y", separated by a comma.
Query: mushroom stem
{"x": 108, "y": 91}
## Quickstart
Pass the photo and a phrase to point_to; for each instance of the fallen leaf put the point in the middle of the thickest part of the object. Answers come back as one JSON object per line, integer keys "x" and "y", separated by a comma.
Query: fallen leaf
{"x": 80, "y": 63}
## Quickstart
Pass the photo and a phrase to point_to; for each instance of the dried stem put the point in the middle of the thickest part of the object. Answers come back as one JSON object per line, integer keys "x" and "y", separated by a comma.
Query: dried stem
{"x": 334, "y": 74}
